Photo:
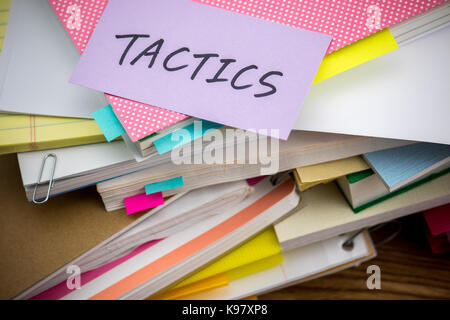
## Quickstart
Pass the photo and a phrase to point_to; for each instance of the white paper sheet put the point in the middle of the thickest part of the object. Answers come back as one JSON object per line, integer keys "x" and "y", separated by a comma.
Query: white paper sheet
{"x": 37, "y": 60}
{"x": 404, "y": 94}
{"x": 297, "y": 264}
{"x": 72, "y": 160}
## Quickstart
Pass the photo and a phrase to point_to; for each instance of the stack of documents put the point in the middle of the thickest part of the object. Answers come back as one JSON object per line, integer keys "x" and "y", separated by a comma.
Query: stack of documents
{"x": 234, "y": 149}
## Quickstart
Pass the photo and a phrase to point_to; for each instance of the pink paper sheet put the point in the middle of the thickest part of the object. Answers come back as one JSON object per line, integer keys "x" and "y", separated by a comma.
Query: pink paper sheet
{"x": 60, "y": 290}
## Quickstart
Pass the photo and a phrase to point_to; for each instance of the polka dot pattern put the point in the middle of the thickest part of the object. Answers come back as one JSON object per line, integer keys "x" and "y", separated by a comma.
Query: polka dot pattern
{"x": 84, "y": 13}
{"x": 347, "y": 21}
{"x": 141, "y": 120}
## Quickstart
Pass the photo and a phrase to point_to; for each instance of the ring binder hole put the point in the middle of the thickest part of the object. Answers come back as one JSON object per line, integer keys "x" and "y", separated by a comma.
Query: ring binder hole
{"x": 348, "y": 245}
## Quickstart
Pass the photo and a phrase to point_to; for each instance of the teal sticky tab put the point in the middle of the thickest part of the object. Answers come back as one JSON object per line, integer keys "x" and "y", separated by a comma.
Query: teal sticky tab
{"x": 108, "y": 123}
{"x": 164, "y": 185}
{"x": 184, "y": 135}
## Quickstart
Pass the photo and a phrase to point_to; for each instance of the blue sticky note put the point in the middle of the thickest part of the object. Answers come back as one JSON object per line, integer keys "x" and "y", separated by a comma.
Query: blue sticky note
{"x": 164, "y": 185}
{"x": 108, "y": 123}
{"x": 168, "y": 142}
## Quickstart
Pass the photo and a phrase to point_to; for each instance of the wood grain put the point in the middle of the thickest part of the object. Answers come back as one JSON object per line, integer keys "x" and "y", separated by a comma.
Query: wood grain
{"x": 408, "y": 271}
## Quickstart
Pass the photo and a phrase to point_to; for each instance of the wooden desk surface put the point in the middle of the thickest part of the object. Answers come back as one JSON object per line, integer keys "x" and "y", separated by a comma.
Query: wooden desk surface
{"x": 408, "y": 269}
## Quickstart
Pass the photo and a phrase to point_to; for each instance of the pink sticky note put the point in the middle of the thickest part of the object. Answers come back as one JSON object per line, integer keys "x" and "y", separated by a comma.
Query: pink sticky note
{"x": 438, "y": 219}
{"x": 143, "y": 201}
{"x": 202, "y": 61}
{"x": 61, "y": 289}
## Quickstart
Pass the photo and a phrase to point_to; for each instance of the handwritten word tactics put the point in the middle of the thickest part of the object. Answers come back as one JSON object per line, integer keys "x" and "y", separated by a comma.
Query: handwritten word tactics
{"x": 202, "y": 61}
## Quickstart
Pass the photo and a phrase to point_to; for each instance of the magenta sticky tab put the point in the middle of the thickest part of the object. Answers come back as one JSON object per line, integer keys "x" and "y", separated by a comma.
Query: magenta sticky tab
{"x": 143, "y": 201}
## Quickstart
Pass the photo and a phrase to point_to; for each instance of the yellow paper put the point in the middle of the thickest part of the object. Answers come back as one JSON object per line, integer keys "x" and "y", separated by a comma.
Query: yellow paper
{"x": 221, "y": 279}
{"x": 257, "y": 254}
{"x": 355, "y": 54}
{"x": 4, "y": 5}
{"x": 210, "y": 283}
{"x": 2, "y": 30}
{"x": 4, "y": 11}
{"x": 302, "y": 186}
{"x": 331, "y": 170}
{"x": 20, "y": 132}
{"x": 4, "y": 14}
{"x": 255, "y": 267}
{"x": 261, "y": 246}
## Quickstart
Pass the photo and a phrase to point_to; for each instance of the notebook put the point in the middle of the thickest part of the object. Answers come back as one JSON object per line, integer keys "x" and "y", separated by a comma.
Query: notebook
{"x": 182, "y": 253}
{"x": 42, "y": 239}
{"x": 296, "y": 151}
{"x": 85, "y": 165}
{"x": 146, "y": 145}
{"x": 319, "y": 219}
{"x": 365, "y": 189}
{"x": 401, "y": 166}
{"x": 183, "y": 211}
{"x": 36, "y": 82}
{"x": 258, "y": 249}
{"x": 213, "y": 273}
{"x": 299, "y": 265}
{"x": 20, "y": 132}
{"x": 340, "y": 104}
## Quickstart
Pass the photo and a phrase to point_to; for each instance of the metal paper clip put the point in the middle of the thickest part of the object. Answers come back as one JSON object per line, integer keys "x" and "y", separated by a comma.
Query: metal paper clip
{"x": 50, "y": 183}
